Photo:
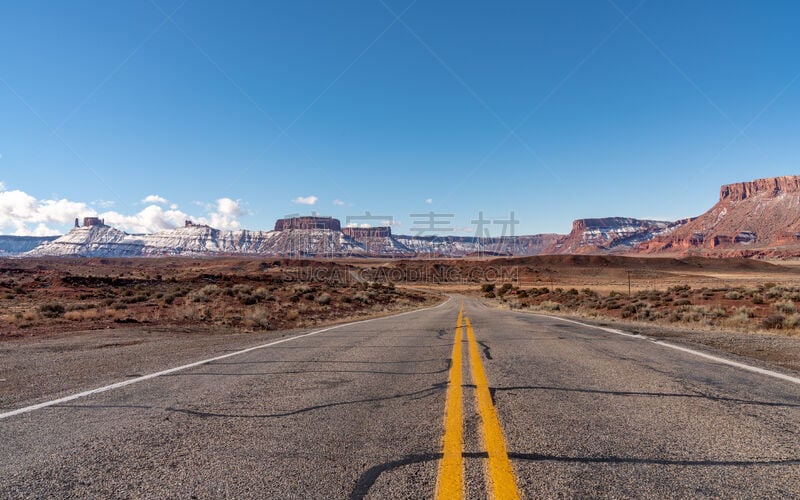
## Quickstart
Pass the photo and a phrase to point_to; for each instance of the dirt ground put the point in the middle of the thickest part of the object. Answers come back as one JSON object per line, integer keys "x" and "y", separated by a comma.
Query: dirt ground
{"x": 41, "y": 297}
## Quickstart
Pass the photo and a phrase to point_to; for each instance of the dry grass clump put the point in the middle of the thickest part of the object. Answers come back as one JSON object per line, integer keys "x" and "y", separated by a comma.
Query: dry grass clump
{"x": 785, "y": 307}
{"x": 765, "y": 307}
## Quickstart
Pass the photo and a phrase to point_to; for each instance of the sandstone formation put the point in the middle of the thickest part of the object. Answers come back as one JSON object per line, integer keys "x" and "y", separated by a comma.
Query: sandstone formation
{"x": 308, "y": 222}
{"x": 610, "y": 234}
{"x": 757, "y": 218}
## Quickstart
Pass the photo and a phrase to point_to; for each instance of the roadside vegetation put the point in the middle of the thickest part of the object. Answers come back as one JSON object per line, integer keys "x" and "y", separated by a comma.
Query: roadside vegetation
{"x": 765, "y": 307}
{"x": 73, "y": 296}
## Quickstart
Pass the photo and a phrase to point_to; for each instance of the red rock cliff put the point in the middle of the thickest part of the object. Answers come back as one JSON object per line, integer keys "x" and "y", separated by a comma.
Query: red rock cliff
{"x": 773, "y": 185}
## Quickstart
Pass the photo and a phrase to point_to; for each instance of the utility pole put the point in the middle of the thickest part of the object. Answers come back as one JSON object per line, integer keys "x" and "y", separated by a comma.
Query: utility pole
{"x": 629, "y": 283}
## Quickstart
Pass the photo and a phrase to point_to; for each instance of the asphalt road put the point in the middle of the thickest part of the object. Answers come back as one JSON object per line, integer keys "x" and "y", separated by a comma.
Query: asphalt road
{"x": 364, "y": 410}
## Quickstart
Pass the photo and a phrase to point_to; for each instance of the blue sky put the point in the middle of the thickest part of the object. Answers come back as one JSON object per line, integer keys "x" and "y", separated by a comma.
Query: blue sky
{"x": 236, "y": 113}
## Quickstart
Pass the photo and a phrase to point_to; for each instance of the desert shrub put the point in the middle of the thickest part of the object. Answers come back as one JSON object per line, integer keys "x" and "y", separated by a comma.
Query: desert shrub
{"x": 628, "y": 311}
{"x": 733, "y": 295}
{"x": 679, "y": 289}
{"x": 682, "y": 302}
{"x": 549, "y": 305}
{"x": 240, "y": 289}
{"x": 79, "y": 307}
{"x": 740, "y": 318}
{"x": 487, "y": 287}
{"x": 141, "y": 297}
{"x": 53, "y": 310}
{"x": 324, "y": 299}
{"x": 718, "y": 312}
{"x": 792, "y": 321}
{"x": 773, "y": 322}
{"x": 259, "y": 318}
{"x": 522, "y": 294}
{"x": 648, "y": 314}
{"x": 675, "y": 316}
{"x": 504, "y": 289}
{"x": 247, "y": 299}
{"x": 653, "y": 295}
{"x": 292, "y": 314}
{"x": 490, "y": 295}
{"x": 775, "y": 292}
{"x": 204, "y": 294}
{"x": 785, "y": 306}
{"x": 757, "y": 299}
{"x": 301, "y": 289}
{"x": 79, "y": 315}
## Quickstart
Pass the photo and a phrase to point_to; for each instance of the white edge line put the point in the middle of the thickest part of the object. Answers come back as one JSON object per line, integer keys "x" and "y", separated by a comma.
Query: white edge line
{"x": 149, "y": 376}
{"x": 762, "y": 371}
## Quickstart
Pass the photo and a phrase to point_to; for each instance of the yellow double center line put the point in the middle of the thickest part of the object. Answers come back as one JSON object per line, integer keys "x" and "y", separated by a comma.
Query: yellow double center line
{"x": 450, "y": 484}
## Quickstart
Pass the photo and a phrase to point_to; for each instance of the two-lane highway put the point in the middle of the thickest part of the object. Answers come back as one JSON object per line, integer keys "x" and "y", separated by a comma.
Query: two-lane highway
{"x": 481, "y": 401}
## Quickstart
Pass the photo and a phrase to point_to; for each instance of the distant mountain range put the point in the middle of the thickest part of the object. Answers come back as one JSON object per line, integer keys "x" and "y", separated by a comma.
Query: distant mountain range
{"x": 752, "y": 219}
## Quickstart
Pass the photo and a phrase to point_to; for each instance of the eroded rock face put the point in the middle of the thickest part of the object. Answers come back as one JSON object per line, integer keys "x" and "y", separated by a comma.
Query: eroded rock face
{"x": 358, "y": 233}
{"x": 760, "y": 217}
{"x": 763, "y": 187}
{"x": 308, "y": 223}
{"x": 608, "y": 234}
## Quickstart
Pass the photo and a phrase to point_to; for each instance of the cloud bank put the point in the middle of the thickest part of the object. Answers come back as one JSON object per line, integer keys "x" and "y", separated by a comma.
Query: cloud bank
{"x": 24, "y": 215}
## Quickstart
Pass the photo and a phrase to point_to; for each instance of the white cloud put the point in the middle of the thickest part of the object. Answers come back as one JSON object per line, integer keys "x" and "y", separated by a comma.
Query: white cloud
{"x": 104, "y": 203}
{"x": 224, "y": 217}
{"x": 22, "y": 214}
{"x": 305, "y": 200}
{"x": 429, "y": 201}
{"x": 391, "y": 223}
{"x": 19, "y": 210}
{"x": 154, "y": 198}
{"x": 2, "y": 186}
{"x": 151, "y": 219}
{"x": 338, "y": 202}
{"x": 42, "y": 230}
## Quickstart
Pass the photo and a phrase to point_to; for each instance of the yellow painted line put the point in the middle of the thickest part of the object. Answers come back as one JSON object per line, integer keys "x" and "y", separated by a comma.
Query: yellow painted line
{"x": 450, "y": 483}
{"x": 500, "y": 472}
